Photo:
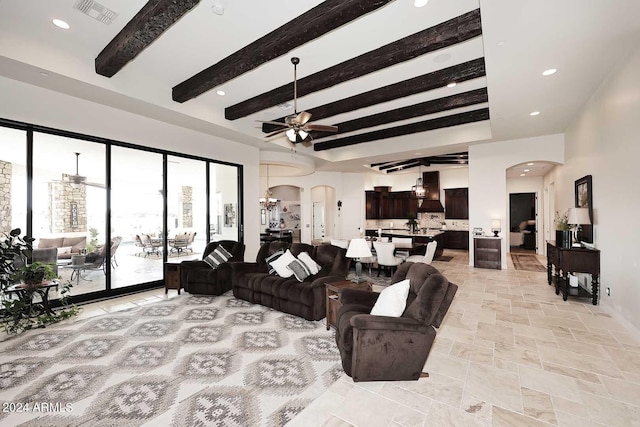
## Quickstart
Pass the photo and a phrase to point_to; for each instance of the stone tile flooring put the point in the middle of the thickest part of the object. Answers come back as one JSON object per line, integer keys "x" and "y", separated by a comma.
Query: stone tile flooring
{"x": 509, "y": 353}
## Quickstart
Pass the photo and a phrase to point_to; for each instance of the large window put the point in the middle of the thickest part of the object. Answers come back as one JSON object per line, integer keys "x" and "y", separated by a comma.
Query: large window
{"x": 69, "y": 207}
{"x": 13, "y": 180}
{"x": 105, "y": 213}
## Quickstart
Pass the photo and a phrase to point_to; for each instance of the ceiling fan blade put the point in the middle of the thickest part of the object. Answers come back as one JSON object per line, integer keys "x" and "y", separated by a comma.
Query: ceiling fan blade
{"x": 276, "y": 132}
{"x": 303, "y": 118}
{"x": 271, "y": 122}
{"x": 321, "y": 128}
{"x": 95, "y": 184}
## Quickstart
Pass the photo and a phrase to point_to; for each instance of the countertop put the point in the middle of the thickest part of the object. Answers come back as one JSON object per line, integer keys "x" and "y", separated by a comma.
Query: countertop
{"x": 403, "y": 232}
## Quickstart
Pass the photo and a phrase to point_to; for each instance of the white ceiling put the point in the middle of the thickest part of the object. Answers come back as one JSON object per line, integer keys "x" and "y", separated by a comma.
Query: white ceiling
{"x": 582, "y": 39}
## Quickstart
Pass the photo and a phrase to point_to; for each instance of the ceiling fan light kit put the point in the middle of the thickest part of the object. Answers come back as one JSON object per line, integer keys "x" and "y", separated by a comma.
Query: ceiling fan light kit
{"x": 296, "y": 127}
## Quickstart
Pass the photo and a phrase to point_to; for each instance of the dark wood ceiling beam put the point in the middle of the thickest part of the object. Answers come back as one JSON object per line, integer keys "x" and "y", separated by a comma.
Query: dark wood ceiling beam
{"x": 401, "y": 163}
{"x": 441, "y": 122}
{"x": 315, "y": 22}
{"x": 145, "y": 27}
{"x": 449, "y": 33}
{"x": 458, "y": 73}
{"x": 460, "y": 100}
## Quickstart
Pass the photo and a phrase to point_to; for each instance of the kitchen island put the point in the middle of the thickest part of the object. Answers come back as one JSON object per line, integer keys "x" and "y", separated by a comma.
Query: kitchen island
{"x": 419, "y": 239}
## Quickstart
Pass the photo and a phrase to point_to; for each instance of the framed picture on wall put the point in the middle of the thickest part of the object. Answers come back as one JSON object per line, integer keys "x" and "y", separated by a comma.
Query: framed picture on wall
{"x": 584, "y": 199}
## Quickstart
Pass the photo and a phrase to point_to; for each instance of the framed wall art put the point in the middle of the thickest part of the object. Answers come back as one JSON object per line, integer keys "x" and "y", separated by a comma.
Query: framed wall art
{"x": 229, "y": 215}
{"x": 584, "y": 199}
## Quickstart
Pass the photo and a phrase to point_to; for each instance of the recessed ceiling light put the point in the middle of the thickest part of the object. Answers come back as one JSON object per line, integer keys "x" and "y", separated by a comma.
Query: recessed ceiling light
{"x": 549, "y": 72}
{"x": 522, "y": 174}
{"x": 530, "y": 164}
{"x": 534, "y": 113}
{"x": 527, "y": 170}
{"x": 452, "y": 84}
{"x": 217, "y": 9}
{"x": 221, "y": 93}
{"x": 420, "y": 3}
{"x": 443, "y": 57}
{"x": 61, "y": 24}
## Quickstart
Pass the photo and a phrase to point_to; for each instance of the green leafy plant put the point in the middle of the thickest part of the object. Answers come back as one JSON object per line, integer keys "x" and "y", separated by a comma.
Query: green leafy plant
{"x": 35, "y": 273}
{"x": 21, "y": 311}
{"x": 412, "y": 223}
{"x": 562, "y": 221}
{"x": 93, "y": 239}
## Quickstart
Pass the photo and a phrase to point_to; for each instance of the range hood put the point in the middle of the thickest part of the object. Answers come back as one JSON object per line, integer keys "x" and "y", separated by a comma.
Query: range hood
{"x": 432, "y": 202}
{"x": 431, "y": 206}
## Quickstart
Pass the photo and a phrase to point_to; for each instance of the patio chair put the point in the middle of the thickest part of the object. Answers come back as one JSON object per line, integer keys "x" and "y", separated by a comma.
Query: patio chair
{"x": 180, "y": 243}
{"x": 148, "y": 245}
{"x": 192, "y": 237}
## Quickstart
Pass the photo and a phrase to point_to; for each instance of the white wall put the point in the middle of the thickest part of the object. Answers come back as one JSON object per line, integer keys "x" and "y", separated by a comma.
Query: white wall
{"x": 604, "y": 142}
{"x": 488, "y": 180}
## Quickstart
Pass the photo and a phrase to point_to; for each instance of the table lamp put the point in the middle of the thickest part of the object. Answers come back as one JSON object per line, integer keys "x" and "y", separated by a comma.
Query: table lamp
{"x": 496, "y": 227}
{"x": 358, "y": 248}
{"x": 578, "y": 217}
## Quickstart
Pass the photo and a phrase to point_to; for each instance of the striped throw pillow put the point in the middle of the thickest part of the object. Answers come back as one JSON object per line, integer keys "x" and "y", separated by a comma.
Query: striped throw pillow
{"x": 219, "y": 256}
{"x": 274, "y": 256}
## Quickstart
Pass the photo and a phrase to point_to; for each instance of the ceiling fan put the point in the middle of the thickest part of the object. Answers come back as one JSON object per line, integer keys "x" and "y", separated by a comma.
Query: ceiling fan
{"x": 297, "y": 126}
{"x": 77, "y": 179}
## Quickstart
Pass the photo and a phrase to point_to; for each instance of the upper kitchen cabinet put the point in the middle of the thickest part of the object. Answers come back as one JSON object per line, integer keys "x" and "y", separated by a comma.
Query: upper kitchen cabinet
{"x": 456, "y": 201}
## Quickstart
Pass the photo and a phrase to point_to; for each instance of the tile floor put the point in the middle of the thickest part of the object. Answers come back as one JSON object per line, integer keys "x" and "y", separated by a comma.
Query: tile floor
{"x": 509, "y": 353}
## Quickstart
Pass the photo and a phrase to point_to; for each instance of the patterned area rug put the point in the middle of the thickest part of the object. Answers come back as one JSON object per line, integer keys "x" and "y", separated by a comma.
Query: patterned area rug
{"x": 528, "y": 262}
{"x": 193, "y": 360}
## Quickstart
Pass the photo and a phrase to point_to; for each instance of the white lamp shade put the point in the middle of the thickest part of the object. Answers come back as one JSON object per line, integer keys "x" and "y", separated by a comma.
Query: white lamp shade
{"x": 578, "y": 216}
{"x": 495, "y": 224}
{"x": 358, "y": 248}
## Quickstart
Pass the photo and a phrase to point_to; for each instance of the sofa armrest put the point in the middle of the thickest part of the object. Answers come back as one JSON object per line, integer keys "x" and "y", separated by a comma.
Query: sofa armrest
{"x": 358, "y": 296}
{"x": 384, "y": 323}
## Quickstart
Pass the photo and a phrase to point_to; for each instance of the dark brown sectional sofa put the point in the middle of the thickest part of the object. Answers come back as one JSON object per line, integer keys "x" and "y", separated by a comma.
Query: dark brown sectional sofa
{"x": 252, "y": 282}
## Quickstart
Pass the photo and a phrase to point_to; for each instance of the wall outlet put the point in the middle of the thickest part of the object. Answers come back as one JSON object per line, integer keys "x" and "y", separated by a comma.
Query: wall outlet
{"x": 608, "y": 291}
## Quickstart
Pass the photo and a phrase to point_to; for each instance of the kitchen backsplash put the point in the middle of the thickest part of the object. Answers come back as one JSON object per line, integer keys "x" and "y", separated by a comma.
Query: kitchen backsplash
{"x": 425, "y": 220}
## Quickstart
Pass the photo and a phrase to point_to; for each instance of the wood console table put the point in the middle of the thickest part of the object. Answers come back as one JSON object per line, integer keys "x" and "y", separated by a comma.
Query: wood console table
{"x": 573, "y": 260}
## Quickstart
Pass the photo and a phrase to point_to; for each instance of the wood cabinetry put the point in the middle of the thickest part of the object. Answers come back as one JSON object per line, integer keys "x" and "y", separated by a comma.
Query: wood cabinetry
{"x": 456, "y": 202}
{"x": 455, "y": 239}
{"x": 384, "y": 204}
{"x": 573, "y": 260}
{"x": 333, "y": 297}
{"x": 487, "y": 252}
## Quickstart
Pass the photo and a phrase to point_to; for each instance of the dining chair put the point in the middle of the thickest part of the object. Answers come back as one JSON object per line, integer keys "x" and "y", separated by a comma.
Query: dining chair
{"x": 386, "y": 259}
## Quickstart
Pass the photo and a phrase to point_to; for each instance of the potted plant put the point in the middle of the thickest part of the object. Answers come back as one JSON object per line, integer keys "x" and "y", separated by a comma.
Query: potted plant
{"x": 21, "y": 314}
{"x": 563, "y": 229}
{"x": 34, "y": 274}
{"x": 412, "y": 223}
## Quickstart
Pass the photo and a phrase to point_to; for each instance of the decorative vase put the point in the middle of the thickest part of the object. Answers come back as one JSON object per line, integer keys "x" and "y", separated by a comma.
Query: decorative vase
{"x": 564, "y": 238}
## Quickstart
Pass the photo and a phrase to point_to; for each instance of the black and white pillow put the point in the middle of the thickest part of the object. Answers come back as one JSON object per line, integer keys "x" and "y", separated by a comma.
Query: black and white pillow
{"x": 300, "y": 270}
{"x": 274, "y": 256}
{"x": 219, "y": 256}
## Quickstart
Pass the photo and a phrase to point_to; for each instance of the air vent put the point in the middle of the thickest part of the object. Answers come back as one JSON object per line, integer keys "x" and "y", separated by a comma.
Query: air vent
{"x": 96, "y": 11}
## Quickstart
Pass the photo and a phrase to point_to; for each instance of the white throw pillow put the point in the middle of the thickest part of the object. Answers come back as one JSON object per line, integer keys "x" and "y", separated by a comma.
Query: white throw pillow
{"x": 280, "y": 265}
{"x": 313, "y": 266}
{"x": 64, "y": 250}
{"x": 392, "y": 300}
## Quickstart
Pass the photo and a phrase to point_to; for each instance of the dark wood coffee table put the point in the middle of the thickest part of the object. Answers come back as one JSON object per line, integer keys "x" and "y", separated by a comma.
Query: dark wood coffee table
{"x": 333, "y": 290}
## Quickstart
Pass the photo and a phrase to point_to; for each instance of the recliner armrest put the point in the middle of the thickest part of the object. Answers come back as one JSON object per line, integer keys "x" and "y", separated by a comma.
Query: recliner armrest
{"x": 384, "y": 323}
{"x": 358, "y": 296}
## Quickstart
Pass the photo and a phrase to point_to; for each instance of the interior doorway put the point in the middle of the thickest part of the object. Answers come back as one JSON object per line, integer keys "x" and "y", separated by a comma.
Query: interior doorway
{"x": 318, "y": 221}
{"x": 523, "y": 217}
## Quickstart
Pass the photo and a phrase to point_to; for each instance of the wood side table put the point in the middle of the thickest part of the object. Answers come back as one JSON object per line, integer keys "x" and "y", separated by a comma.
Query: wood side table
{"x": 333, "y": 290}
{"x": 172, "y": 277}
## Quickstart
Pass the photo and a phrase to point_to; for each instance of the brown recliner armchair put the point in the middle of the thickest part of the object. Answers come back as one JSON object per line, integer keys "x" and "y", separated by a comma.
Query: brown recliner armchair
{"x": 199, "y": 278}
{"x": 380, "y": 348}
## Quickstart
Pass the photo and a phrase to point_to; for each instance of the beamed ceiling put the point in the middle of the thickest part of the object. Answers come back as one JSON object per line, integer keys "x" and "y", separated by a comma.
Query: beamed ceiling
{"x": 379, "y": 70}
